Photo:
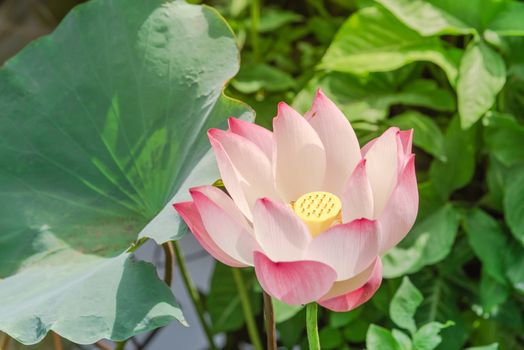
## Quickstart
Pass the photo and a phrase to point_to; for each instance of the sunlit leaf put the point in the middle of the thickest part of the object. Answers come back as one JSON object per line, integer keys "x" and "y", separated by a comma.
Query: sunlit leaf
{"x": 513, "y": 203}
{"x": 379, "y": 338}
{"x": 426, "y": 17}
{"x": 460, "y": 153}
{"x": 487, "y": 239}
{"x": 404, "y": 304}
{"x": 482, "y": 76}
{"x": 373, "y": 40}
{"x": 427, "y": 134}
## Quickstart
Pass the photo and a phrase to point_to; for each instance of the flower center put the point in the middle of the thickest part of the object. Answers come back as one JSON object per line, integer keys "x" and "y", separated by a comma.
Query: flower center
{"x": 318, "y": 210}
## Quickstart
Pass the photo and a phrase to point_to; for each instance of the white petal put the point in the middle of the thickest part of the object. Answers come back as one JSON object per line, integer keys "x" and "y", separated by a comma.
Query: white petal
{"x": 381, "y": 167}
{"x": 279, "y": 231}
{"x": 347, "y": 248}
{"x": 357, "y": 197}
{"x": 299, "y": 156}
{"x": 339, "y": 140}
{"x": 245, "y": 170}
{"x": 225, "y": 226}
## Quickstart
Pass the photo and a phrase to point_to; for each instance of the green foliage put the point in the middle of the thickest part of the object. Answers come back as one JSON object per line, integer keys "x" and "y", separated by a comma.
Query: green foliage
{"x": 114, "y": 124}
{"x": 404, "y": 305}
{"x": 223, "y": 300}
{"x": 431, "y": 241}
{"x": 426, "y": 132}
{"x": 482, "y": 76}
{"x": 513, "y": 203}
{"x": 402, "y": 310}
{"x": 373, "y": 40}
{"x": 379, "y": 338}
{"x": 454, "y": 72}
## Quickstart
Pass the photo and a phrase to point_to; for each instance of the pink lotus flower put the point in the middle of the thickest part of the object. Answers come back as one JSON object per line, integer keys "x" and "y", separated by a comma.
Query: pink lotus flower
{"x": 309, "y": 209}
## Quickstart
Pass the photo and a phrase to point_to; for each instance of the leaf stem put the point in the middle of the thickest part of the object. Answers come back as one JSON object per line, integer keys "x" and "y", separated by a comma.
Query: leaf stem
{"x": 312, "y": 327}
{"x": 57, "y": 341}
{"x": 169, "y": 253}
{"x": 99, "y": 344}
{"x": 269, "y": 317}
{"x": 255, "y": 20}
{"x": 193, "y": 293}
{"x": 120, "y": 345}
{"x": 246, "y": 308}
{"x": 5, "y": 342}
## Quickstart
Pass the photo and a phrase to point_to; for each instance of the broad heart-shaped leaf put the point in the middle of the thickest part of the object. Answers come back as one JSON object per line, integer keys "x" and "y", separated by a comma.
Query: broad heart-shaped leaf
{"x": 513, "y": 203}
{"x": 404, "y": 304}
{"x": 505, "y": 138}
{"x": 428, "y": 336}
{"x": 373, "y": 40}
{"x": 508, "y": 21}
{"x": 426, "y": 17}
{"x": 482, "y": 75}
{"x": 488, "y": 240}
{"x": 460, "y": 153}
{"x": 369, "y": 98}
{"x": 101, "y": 124}
{"x": 492, "y": 294}
{"x": 427, "y": 134}
{"x": 284, "y": 312}
{"x": 437, "y": 17}
{"x": 378, "y": 338}
{"x": 83, "y": 297}
{"x": 223, "y": 301}
{"x": 493, "y": 346}
{"x": 430, "y": 241}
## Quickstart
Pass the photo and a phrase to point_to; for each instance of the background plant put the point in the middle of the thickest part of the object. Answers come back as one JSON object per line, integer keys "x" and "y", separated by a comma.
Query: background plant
{"x": 453, "y": 71}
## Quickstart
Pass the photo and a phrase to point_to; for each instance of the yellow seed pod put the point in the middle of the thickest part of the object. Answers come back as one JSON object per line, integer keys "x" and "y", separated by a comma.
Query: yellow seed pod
{"x": 318, "y": 210}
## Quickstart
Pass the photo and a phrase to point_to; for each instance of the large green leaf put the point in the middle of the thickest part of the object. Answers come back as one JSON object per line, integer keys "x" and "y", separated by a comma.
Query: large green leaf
{"x": 373, "y": 40}
{"x": 254, "y": 77}
{"x": 430, "y": 241}
{"x": 426, "y": 17}
{"x": 460, "y": 154}
{"x": 488, "y": 240}
{"x": 492, "y": 294}
{"x": 482, "y": 76}
{"x": 513, "y": 203}
{"x": 83, "y": 297}
{"x": 505, "y": 138}
{"x": 437, "y": 17}
{"x": 223, "y": 302}
{"x": 427, "y": 134}
{"x": 102, "y": 123}
{"x": 369, "y": 98}
{"x": 508, "y": 20}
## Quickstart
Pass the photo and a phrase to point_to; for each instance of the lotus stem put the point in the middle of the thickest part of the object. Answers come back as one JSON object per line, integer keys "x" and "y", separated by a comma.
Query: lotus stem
{"x": 99, "y": 344}
{"x": 312, "y": 327}
{"x": 246, "y": 308}
{"x": 193, "y": 293}
{"x": 120, "y": 345}
{"x": 57, "y": 341}
{"x": 255, "y": 19}
{"x": 5, "y": 342}
{"x": 169, "y": 253}
{"x": 269, "y": 317}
